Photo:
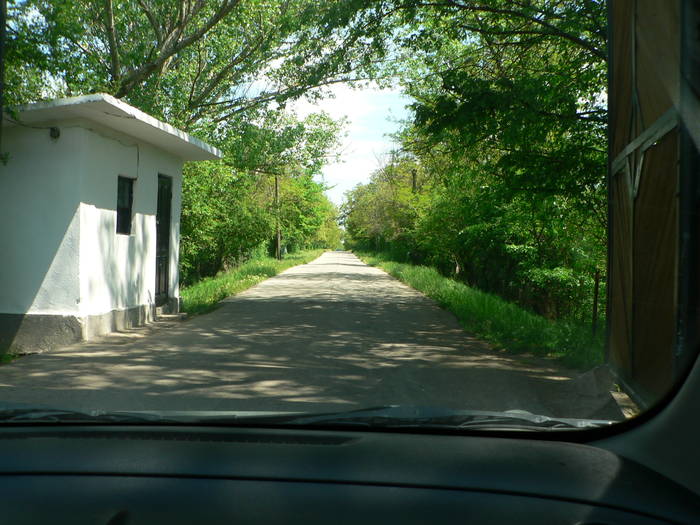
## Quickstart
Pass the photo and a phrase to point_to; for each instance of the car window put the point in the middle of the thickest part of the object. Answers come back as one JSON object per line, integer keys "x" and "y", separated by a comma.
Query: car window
{"x": 439, "y": 215}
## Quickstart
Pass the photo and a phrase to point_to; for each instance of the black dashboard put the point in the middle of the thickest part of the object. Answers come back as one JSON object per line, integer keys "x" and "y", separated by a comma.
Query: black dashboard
{"x": 155, "y": 474}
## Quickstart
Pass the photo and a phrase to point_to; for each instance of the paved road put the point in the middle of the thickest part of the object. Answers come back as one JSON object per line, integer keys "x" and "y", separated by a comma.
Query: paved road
{"x": 333, "y": 334}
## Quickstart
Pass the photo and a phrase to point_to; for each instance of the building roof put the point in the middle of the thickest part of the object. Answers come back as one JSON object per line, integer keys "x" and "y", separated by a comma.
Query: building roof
{"x": 120, "y": 116}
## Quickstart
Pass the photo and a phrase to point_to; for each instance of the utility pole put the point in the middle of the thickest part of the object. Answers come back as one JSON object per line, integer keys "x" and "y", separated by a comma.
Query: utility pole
{"x": 278, "y": 243}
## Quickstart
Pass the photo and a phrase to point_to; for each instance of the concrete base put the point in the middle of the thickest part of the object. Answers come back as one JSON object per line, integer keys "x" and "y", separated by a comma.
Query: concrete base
{"x": 30, "y": 334}
{"x": 116, "y": 320}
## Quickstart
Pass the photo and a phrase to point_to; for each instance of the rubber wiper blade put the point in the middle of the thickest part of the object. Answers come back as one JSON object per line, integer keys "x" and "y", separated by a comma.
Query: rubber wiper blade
{"x": 387, "y": 416}
{"x": 48, "y": 415}
{"x": 402, "y": 416}
{"x": 276, "y": 418}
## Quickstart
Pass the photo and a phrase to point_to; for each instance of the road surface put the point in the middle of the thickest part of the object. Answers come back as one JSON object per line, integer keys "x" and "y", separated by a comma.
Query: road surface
{"x": 334, "y": 334}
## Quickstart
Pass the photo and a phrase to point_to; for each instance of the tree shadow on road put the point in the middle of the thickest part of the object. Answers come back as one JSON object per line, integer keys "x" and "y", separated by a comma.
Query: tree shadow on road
{"x": 323, "y": 350}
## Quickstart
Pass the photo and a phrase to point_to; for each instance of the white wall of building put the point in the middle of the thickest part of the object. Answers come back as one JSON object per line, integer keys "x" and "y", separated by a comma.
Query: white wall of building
{"x": 39, "y": 213}
{"x": 60, "y": 251}
{"x": 118, "y": 271}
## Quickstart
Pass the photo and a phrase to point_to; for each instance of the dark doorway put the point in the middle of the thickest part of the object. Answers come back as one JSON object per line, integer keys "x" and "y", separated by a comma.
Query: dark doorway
{"x": 165, "y": 197}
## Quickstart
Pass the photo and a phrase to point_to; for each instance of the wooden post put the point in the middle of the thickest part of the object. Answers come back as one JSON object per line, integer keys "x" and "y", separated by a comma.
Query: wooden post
{"x": 596, "y": 289}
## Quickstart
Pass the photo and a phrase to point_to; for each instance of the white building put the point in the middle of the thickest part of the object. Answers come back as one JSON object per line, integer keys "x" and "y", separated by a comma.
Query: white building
{"x": 90, "y": 214}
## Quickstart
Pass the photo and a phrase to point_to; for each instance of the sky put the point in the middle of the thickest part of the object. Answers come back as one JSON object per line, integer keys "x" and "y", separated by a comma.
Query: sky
{"x": 372, "y": 115}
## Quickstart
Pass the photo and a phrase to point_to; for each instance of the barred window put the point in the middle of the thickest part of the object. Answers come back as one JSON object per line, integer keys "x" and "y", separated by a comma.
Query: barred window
{"x": 125, "y": 198}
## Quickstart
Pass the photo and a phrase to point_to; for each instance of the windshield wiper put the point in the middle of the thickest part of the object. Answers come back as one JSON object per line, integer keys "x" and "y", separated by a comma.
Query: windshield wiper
{"x": 51, "y": 415}
{"x": 399, "y": 416}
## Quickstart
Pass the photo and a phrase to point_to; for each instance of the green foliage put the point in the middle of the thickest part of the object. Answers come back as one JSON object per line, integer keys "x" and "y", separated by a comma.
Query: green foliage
{"x": 540, "y": 253}
{"x": 508, "y": 143}
{"x": 230, "y": 216}
{"x": 222, "y": 219}
{"x": 6, "y": 359}
{"x": 328, "y": 235}
{"x": 195, "y": 64}
{"x": 205, "y": 295}
{"x": 500, "y": 322}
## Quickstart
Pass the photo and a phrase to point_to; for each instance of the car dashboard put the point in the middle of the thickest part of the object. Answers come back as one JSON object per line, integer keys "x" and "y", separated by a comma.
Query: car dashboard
{"x": 185, "y": 474}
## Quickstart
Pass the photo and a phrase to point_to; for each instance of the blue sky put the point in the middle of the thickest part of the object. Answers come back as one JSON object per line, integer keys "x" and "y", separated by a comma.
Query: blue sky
{"x": 372, "y": 114}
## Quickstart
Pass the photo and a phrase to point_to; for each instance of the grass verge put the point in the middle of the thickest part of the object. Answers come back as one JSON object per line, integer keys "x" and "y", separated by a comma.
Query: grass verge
{"x": 497, "y": 321}
{"x": 205, "y": 295}
{"x": 6, "y": 359}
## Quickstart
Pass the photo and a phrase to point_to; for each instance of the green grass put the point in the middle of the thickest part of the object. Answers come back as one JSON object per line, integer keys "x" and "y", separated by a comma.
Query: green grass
{"x": 6, "y": 359}
{"x": 497, "y": 321}
{"x": 205, "y": 295}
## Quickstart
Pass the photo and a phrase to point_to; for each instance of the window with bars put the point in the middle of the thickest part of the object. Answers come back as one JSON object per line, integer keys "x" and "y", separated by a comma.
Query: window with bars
{"x": 125, "y": 198}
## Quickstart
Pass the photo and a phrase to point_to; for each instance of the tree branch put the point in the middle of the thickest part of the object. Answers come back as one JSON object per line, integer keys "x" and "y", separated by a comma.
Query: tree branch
{"x": 551, "y": 29}
{"x": 219, "y": 77}
{"x": 152, "y": 20}
{"x": 236, "y": 106}
{"x": 173, "y": 44}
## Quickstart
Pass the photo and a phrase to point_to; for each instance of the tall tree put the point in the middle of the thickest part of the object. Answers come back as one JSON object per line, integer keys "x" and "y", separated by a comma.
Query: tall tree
{"x": 509, "y": 130}
{"x": 195, "y": 63}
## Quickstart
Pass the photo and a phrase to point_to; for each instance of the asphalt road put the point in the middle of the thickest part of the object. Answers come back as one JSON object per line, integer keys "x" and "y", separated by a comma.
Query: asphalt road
{"x": 334, "y": 334}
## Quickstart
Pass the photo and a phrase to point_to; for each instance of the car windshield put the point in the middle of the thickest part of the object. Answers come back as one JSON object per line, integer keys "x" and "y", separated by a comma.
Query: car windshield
{"x": 382, "y": 213}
